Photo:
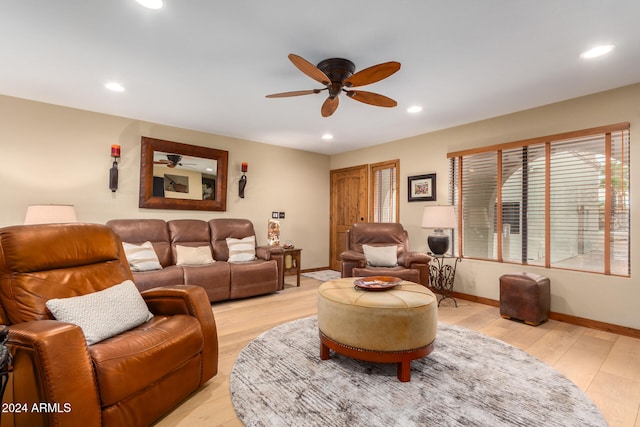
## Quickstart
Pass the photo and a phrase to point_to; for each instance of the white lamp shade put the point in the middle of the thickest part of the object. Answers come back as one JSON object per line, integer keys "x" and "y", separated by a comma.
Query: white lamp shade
{"x": 439, "y": 217}
{"x": 50, "y": 214}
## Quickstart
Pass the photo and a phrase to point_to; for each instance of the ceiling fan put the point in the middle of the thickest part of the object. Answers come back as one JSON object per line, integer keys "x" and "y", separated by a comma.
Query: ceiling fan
{"x": 337, "y": 75}
{"x": 172, "y": 161}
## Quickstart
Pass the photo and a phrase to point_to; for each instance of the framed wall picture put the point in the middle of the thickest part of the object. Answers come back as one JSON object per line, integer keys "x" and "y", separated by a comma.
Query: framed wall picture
{"x": 422, "y": 188}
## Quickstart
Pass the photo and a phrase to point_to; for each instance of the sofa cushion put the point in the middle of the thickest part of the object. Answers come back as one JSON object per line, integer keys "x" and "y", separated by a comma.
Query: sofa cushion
{"x": 381, "y": 256}
{"x": 377, "y": 234}
{"x": 138, "y": 231}
{"x": 242, "y": 249}
{"x": 152, "y": 351}
{"x": 103, "y": 314}
{"x": 221, "y": 228}
{"x": 253, "y": 278}
{"x": 197, "y": 255}
{"x": 141, "y": 257}
{"x": 214, "y": 278}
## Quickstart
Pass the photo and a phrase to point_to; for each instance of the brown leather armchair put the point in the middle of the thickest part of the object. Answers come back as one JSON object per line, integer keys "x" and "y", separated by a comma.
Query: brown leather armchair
{"x": 130, "y": 379}
{"x": 412, "y": 266}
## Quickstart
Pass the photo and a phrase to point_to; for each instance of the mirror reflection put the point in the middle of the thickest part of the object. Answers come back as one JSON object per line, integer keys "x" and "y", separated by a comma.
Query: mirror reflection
{"x": 184, "y": 177}
{"x": 181, "y": 176}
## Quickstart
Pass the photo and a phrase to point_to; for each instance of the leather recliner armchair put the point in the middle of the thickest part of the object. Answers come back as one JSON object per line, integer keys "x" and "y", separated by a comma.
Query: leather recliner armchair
{"x": 412, "y": 266}
{"x": 130, "y": 379}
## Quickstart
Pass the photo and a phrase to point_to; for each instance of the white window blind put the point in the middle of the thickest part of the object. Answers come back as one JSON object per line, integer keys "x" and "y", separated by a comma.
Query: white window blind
{"x": 384, "y": 191}
{"x": 559, "y": 201}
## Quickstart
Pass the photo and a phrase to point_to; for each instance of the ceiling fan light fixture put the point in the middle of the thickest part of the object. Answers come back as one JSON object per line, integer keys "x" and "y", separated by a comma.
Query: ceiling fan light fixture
{"x": 338, "y": 75}
{"x": 151, "y": 4}
{"x": 597, "y": 51}
{"x": 327, "y": 137}
{"x": 414, "y": 109}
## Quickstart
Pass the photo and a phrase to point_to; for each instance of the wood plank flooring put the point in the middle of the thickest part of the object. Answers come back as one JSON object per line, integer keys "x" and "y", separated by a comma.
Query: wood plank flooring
{"x": 604, "y": 365}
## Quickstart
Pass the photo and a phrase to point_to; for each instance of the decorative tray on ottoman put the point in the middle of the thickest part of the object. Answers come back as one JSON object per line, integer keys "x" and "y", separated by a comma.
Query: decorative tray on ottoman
{"x": 377, "y": 283}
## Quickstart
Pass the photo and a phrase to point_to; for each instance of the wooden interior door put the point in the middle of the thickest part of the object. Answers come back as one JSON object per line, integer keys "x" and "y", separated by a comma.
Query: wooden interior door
{"x": 349, "y": 204}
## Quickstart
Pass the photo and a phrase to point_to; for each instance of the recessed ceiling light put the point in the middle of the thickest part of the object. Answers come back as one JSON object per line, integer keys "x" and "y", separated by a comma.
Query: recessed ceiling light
{"x": 597, "y": 51}
{"x": 151, "y": 4}
{"x": 114, "y": 86}
{"x": 327, "y": 136}
{"x": 414, "y": 109}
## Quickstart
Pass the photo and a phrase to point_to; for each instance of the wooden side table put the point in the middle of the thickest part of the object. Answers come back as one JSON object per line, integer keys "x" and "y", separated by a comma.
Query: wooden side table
{"x": 292, "y": 263}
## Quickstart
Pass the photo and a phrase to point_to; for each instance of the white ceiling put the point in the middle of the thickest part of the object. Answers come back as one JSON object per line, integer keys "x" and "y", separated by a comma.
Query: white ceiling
{"x": 207, "y": 65}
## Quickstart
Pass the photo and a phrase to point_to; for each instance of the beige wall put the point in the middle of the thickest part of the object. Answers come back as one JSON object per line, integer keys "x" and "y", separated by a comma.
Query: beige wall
{"x": 53, "y": 154}
{"x": 593, "y": 296}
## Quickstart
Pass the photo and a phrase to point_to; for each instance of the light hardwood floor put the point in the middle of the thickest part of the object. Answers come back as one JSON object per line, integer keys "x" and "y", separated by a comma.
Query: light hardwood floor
{"x": 604, "y": 365}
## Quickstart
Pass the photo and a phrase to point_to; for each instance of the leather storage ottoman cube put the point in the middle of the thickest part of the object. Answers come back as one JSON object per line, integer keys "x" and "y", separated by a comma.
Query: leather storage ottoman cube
{"x": 526, "y": 297}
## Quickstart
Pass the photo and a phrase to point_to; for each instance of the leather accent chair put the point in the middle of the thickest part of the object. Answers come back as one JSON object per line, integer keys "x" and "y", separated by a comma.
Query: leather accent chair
{"x": 412, "y": 266}
{"x": 130, "y": 379}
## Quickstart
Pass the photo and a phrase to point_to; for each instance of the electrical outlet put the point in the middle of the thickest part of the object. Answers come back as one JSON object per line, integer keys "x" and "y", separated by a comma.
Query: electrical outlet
{"x": 281, "y": 215}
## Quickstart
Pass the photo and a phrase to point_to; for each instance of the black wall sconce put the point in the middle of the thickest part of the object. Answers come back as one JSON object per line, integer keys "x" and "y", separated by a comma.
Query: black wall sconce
{"x": 113, "y": 172}
{"x": 243, "y": 179}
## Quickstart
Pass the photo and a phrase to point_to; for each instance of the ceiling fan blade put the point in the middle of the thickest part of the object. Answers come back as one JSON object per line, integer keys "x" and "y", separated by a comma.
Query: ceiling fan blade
{"x": 372, "y": 74}
{"x": 371, "y": 98}
{"x": 309, "y": 69}
{"x": 294, "y": 93}
{"x": 329, "y": 106}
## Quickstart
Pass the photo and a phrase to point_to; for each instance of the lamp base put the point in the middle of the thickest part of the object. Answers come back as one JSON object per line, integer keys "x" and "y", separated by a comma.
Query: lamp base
{"x": 438, "y": 242}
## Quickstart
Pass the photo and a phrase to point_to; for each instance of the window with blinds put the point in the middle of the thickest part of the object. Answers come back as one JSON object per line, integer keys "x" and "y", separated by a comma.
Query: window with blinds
{"x": 558, "y": 201}
{"x": 384, "y": 191}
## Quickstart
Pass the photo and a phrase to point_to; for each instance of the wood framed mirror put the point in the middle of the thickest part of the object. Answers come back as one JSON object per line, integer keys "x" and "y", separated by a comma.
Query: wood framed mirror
{"x": 182, "y": 176}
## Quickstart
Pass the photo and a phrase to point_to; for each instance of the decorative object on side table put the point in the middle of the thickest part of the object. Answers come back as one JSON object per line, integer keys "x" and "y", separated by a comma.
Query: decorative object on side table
{"x": 438, "y": 218}
{"x": 273, "y": 234}
{"x": 422, "y": 188}
{"x": 442, "y": 275}
{"x": 292, "y": 258}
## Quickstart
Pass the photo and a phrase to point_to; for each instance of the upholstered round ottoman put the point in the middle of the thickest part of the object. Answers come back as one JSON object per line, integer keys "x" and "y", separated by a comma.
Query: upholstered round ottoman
{"x": 394, "y": 326}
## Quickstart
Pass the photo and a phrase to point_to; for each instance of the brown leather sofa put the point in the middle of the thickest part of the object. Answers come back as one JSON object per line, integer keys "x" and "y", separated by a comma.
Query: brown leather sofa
{"x": 221, "y": 280}
{"x": 412, "y": 266}
{"x": 130, "y": 379}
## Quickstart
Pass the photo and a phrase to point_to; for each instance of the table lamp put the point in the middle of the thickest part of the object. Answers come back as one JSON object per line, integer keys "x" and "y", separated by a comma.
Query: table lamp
{"x": 438, "y": 217}
{"x": 49, "y": 214}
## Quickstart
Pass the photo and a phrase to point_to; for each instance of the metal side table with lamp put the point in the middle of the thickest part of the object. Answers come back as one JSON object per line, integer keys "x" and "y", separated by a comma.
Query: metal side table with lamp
{"x": 442, "y": 270}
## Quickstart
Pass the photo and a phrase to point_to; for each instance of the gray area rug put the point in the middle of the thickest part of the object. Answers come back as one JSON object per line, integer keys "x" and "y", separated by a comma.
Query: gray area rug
{"x": 469, "y": 379}
{"x": 323, "y": 275}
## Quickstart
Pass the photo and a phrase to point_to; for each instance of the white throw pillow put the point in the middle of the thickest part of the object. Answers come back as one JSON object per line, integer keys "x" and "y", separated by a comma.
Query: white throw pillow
{"x": 105, "y": 313}
{"x": 193, "y": 255}
{"x": 242, "y": 249}
{"x": 381, "y": 256}
{"x": 141, "y": 257}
